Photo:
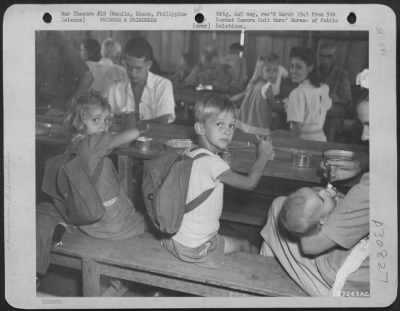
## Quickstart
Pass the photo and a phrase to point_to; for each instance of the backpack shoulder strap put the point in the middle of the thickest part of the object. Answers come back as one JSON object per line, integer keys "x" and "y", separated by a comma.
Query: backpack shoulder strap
{"x": 97, "y": 171}
{"x": 197, "y": 201}
{"x": 200, "y": 155}
{"x": 202, "y": 197}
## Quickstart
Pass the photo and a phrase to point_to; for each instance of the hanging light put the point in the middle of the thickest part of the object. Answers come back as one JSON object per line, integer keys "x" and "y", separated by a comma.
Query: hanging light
{"x": 241, "y": 41}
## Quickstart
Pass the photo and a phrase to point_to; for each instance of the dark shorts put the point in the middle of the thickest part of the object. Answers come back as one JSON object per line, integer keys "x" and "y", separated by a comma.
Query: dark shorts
{"x": 209, "y": 254}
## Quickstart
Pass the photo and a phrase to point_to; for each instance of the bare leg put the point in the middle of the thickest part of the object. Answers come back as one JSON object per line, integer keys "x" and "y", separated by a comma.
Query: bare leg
{"x": 235, "y": 245}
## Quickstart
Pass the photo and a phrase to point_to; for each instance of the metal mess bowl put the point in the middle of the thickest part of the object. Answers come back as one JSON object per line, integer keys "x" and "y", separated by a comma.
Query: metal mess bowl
{"x": 341, "y": 158}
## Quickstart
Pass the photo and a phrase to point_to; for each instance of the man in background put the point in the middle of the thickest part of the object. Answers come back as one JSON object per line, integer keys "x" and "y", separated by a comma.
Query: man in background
{"x": 149, "y": 95}
{"x": 339, "y": 90}
{"x": 210, "y": 71}
{"x": 235, "y": 60}
{"x": 333, "y": 75}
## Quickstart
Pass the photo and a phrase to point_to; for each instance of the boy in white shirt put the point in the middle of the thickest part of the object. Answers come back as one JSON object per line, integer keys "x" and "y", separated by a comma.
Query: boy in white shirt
{"x": 197, "y": 241}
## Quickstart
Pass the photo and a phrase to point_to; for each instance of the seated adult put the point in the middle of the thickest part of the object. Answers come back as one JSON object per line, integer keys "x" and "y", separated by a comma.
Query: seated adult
{"x": 238, "y": 66}
{"x": 106, "y": 69}
{"x": 61, "y": 74}
{"x": 110, "y": 52}
{"x": 333, "y": 257}
{"x": 333, "y": 75}
{"x": 209, "y": 71}
{"x": 182, "y": 69}
{"x": 149, "y": 95}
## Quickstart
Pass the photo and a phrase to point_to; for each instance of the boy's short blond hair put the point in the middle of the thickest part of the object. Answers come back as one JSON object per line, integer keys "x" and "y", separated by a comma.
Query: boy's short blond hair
{"x": 296, "y": 218}
{"x": 210, "y": 105}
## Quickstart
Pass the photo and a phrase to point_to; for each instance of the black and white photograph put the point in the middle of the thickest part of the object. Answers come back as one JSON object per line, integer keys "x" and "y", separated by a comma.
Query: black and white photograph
{"x": 226, "y": 154}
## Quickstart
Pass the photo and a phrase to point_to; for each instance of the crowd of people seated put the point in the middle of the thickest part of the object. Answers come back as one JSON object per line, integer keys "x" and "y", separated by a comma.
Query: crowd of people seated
{"x": 297, "y": 98}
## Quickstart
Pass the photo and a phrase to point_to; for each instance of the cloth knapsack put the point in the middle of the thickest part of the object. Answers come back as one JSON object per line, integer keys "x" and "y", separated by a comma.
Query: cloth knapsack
{"x": 67, "y": 180}
{"x": 165, "y": 186}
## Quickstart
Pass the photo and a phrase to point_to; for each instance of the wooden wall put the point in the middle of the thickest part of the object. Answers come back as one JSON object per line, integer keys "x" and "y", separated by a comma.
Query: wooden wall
{"x": 352, "y": 52}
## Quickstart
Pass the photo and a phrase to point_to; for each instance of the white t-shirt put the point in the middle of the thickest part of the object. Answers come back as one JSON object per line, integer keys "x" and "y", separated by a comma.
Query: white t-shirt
{"x": 200, "y": 224}
{"x": 308, "y": 104}
{"x": 157, "y": 98}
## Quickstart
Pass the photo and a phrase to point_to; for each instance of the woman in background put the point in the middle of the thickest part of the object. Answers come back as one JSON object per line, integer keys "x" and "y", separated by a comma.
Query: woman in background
{"x": 309, "y": 102}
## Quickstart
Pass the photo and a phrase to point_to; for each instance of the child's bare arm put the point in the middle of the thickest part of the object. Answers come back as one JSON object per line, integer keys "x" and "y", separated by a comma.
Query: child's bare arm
{"x": 126, "y": 136}
{"x": 264, "y": 153}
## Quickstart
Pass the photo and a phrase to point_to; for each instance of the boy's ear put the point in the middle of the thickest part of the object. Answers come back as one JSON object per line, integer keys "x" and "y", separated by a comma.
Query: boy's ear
{"x": 149, "y": 64}
{"x": 199, "y": 129}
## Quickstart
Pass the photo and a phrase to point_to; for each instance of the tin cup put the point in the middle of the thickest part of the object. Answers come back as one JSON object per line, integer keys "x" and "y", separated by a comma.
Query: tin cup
{"x": 144, "y": 143}
{"x": 301, "y": 158}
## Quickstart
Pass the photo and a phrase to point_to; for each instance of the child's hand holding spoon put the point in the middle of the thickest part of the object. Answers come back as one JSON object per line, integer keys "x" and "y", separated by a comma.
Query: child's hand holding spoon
{"x": 267, "y": 138}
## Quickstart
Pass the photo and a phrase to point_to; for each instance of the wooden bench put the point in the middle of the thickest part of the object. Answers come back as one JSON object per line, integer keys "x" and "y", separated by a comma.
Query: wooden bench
{"x": 143, "y": 260}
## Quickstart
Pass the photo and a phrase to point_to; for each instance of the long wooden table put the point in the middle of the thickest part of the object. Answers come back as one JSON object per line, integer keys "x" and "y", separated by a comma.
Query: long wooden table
{"x": 241, "y": 159}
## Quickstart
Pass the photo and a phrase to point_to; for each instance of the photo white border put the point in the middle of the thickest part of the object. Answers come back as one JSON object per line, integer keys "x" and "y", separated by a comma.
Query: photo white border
{"x": 19, "y": 26}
